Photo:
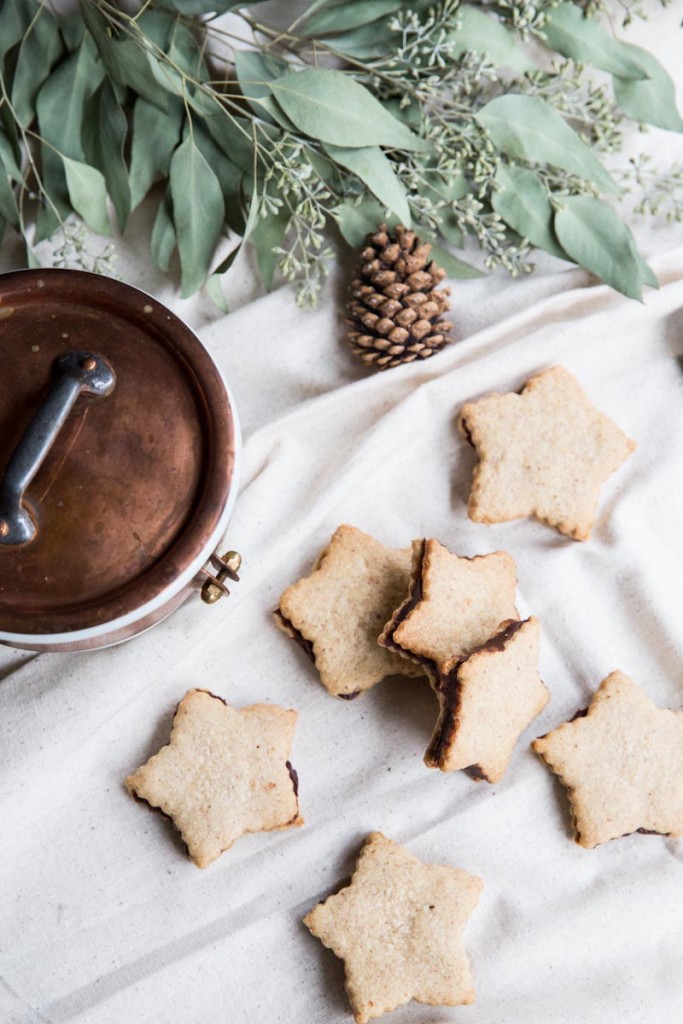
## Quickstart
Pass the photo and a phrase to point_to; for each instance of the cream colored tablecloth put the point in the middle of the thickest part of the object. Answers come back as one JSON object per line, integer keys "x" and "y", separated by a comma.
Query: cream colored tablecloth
{"x": 103, "y": 920}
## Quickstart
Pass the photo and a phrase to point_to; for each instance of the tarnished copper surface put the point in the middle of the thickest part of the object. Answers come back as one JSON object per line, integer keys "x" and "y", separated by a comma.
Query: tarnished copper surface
{"x": 135, "y": 484}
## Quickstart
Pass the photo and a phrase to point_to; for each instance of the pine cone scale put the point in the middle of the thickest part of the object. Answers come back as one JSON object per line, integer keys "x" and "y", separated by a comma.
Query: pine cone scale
{"x": 395, "y": 309}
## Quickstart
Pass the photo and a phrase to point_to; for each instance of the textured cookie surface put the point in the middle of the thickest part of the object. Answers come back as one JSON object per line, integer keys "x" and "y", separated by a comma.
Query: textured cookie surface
{"x": 545, "y": 452}
{"x": 225, "y": 772}
{"x": 455, "y": 604}
{"x": 622, "y": 764}
{"x": 486, "y": 701}
{"x": 398, "y": 927}
{"x": 338, "y": 612}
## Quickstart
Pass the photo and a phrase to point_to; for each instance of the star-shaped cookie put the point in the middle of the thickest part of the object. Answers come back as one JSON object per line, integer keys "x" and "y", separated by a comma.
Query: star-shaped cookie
{"x": 398, "y": 927}
{"x": 224, "y": 772}
{"x": 622, "y": 764}
{"x": 486, "y": 702}
{"x": 338, "y": 612}
{"x": 454, "y": 604}
{"x": 544, "y": 452}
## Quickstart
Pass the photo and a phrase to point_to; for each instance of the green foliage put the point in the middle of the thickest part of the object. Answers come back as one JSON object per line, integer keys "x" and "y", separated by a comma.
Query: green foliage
{"x": 591, "y": 232}
{"x": 522, "y": 200}
{"x": 526, "y": 128}
{"x": 443, "y": 115}
{"x": 331, "y": 107}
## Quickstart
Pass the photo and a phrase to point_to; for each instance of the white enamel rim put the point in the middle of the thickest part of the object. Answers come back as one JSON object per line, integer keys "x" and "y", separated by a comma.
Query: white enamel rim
{"x": 78, "y": 635}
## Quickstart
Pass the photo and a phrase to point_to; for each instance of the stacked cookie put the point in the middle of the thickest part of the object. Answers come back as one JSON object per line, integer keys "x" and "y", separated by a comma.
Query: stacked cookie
{"x": 368, "y": 611}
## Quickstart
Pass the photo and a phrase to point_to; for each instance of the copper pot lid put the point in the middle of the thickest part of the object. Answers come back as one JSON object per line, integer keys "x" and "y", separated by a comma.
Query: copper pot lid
{"x": 141, "y": 469}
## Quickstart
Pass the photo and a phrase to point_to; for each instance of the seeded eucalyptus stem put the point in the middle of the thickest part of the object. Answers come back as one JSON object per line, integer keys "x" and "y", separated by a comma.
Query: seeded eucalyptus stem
{"x": 435, "y": 114}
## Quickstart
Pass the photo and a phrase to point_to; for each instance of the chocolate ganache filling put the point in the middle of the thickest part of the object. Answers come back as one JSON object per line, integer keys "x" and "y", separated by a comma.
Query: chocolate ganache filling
{"x": 294, "y": 777}
{"x": 413, "y": 599}
{"x": 448, "y": 688}
{"x": 295, "y": 634}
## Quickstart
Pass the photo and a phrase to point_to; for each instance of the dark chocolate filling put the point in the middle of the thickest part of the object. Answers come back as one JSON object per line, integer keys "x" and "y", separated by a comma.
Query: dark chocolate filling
{"x": 448, "y": 688}
{"x": 466, "y": 432}
{"x": 295, "y": 634}
{"x": 581, "y": 713}
{"x": 349, "y": 696}
{"x": 294, "y": 777}
{"x": 500, "y": 640}
{"x": 643, "y": 832}
{"x": 401, "y": 614}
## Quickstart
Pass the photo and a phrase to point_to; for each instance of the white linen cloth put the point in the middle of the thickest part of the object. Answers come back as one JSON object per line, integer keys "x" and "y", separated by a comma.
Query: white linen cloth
{"x": 104, "y": 920}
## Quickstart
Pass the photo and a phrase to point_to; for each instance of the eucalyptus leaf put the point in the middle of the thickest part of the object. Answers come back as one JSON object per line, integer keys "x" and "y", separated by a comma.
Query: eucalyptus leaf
{"x": 647, "y": 274}
{"x": 316, "y": 5}
{"x": 32, "y": 260}
{"x": 111, "y": 129}
{"x": 40, "y": 49}
{"x": 185, "y": 61}
{"x": 323, "y": 167}
{"x": 88, "y": 194}
{"x": 15, "y": 16}
{"x": 127, "y": 61}
{"x": 253, "y": 211}
{"x": 198, "y": 212}
{"x": 523, "y": 202}
{"x": 653, "y": 100}
{"x": 201, "y": 6}
{"x": 226, "y": 263}
{"x": 254, "y": 71}
{"x": 376, "y": 171}
{"x": 9, "y": 130}
{"x": 8, "y": 203}
{"x": 163, "y": 240}
{"x": 235, "y": 138}
{"x": 363, "y": 43}
{"x": 62, "y": 98}
{"x": 168, "y": 79}
{"x": 228, "y": 174}
{"x": 214, "y": 289}
{"x": 51, "y": 212}
{"x": 408, "y": 113}
{"x": 214, "y": 284}
{"x": 454, "y": 267}
{"x": 356, "y": 220}
{"x": 483, "y": 33}
{"x": 184, "y": 50}
{"x": 345, "y": 16}
{"x": 452, "y": 233}
{"x": 593, "y": 235}
{"x": 60, "y": 107}
{"x": 154, "y": 139}
{"x": 72, "y": 28}
{"x": 8, "y": 158}
{"x": 157, "y": 26}
{"x": 266, "y": 236}
{"x": 332, "y": 107}
{"x": 455, "y": 187}
{"x": 3, "y": 224}
{"x": 572, "y": 34}
{"x": 526, "y": 128}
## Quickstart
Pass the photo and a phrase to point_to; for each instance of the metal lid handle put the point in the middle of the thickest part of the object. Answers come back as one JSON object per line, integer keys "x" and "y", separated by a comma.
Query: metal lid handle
{"x": 74, "y": 372}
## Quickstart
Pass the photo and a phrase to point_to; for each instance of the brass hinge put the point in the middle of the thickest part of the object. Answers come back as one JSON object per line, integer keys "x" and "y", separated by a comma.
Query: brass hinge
{"x": 214, "y": 587}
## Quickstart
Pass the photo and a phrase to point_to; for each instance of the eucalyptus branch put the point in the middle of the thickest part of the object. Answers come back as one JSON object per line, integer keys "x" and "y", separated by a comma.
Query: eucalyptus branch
{"x": 401, "y": 120}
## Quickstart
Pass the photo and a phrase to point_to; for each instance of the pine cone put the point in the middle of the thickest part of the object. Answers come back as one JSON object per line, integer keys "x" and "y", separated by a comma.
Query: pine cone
{"x": 395, "y": 312}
